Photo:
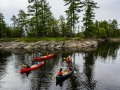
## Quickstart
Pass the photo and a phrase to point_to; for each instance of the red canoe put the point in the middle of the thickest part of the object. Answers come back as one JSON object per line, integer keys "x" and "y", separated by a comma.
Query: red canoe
{"x": 44, "y": 57}
{"x": 33, "y": 67}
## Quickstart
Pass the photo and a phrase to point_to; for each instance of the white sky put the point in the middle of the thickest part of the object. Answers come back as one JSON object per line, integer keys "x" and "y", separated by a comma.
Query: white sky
{"x": 109, "y": 9}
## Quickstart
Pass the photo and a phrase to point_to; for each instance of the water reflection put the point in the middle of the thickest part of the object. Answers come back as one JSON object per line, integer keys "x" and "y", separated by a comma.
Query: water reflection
{"x": 105, "y": 50}
{"x": 3, "y": 60}
{"x": 88, "y": 69}
{"x": 27, "y": 73}
{"x": 91, "y": 70}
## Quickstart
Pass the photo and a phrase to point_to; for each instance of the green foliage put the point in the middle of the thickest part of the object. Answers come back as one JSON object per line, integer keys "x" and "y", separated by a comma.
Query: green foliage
{"x": 88, "y": 34}
{"x": 7, "y": 39}
{"x": 43, "y": 39}
{"x": 39, "y": 21}
{"x": 32, "y": 33}
{"x": 89, "y": 5}
{"x": 22, "y": 18}
{"x": 19, "y": 24}
{"x": 62, "y": 26}
{"x": 102, "y": 33}
{"x": 105, "y": 29}
{"x": 40, "y": 10}
{"x": 72, "y": 14}
{"x": 80, "y": 35}
{"x": 2, "y": 26}
{"x": 8, "y": 31}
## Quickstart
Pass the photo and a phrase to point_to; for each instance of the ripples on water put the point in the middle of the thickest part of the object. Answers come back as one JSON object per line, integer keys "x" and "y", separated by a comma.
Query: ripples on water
{"x": 95, "y": 70}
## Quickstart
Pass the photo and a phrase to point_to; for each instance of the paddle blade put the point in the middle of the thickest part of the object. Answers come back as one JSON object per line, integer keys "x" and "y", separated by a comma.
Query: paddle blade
{"x": 23, "y": 65}
{"x": 53, "y": 77}
{"x": 74, "y": 71}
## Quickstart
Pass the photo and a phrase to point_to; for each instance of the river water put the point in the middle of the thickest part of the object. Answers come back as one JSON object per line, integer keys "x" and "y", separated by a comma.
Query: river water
{"x": 94, "y": 70}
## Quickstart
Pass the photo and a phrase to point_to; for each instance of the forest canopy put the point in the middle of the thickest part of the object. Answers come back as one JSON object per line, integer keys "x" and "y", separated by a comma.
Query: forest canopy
{"x": 39, "y": 21}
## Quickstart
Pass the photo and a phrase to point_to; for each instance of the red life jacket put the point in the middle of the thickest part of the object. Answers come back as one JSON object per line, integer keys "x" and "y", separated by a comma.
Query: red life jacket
{"x": 70, "y": 68}
{"x": 60, "y": 73}
{"x": 68, "y": 60}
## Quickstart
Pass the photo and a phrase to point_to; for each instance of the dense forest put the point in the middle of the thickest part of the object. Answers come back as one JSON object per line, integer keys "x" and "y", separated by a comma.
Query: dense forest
{"x": 39, "y": 21}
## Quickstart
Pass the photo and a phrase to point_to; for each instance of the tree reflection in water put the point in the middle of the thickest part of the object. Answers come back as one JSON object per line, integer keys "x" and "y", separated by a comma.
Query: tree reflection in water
{"x": 40, "y": 79}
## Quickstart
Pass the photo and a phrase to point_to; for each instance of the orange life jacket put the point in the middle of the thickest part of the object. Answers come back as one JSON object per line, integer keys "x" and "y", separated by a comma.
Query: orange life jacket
{"x": 68, "y": 60}
{"x": 60, "y": 73}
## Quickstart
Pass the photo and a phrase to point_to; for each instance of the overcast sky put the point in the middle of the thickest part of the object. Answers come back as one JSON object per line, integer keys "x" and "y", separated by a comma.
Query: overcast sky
{"x": 109, "y": 9}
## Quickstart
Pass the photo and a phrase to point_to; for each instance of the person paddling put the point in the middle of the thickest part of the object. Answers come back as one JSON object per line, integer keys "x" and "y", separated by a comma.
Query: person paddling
{"x": 60, "y": 73}
{"x": 39, "y": 55}
{"x": 69, "y": 59}
{"x": 70, "y": 67}
{"x": 27, "y": 66}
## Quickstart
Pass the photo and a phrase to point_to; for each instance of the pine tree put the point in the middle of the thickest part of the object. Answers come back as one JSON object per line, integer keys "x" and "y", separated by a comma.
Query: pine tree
{"x": 40, "y": 11}
{"x": 22, "y": 19}
{"x": 72, "y": 13}
{"x": 89, "y": 15}
{"x": 19, "y": 23}
{"x": 2, "y": 26}
{"x": 62, "y": 26}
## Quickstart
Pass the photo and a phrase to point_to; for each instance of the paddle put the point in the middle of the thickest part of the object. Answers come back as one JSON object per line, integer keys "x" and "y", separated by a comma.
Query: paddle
{"x": 26, "y": 65}
{"x": 64, "y": 58}
{"x": 74, "y": 71}
{"x": 54, "y": 76}
{"x": 23, "y": 65}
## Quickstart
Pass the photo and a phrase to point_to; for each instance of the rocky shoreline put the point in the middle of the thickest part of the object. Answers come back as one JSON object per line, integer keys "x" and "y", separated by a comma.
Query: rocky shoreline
{"x": 70, "y": 45}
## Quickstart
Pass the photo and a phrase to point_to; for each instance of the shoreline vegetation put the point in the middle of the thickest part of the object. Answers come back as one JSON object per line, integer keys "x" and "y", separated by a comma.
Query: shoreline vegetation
{"x": 66, "y": 32}
{"x": 51, "y": 44}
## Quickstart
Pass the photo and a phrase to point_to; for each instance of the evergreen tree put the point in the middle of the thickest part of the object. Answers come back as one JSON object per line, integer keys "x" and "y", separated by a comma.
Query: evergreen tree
{"x": 55, "y": 31}
{"x": 62, "y": 26}
{"x": 106, "y": 29}
{"x": 113, "y": 26}
{"x": 40, "y": 10}
{"x": 14, "y": 19}
{"x": 33, "y": 13}
{"x": 2, "y": 26}
{"x": 22, "y": 19}
{"x": 89, "y": 15}
{"x": 72, "y": 13}
{"x": 15, "y": 29}
{"x": 19, "y": 24}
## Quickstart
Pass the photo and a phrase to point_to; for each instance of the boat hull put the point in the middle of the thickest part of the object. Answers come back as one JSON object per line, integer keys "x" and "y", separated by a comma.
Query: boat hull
{"x": 63, "y": 77}
{"x": 25, "y": 70}
{"x": 44, "y": 57}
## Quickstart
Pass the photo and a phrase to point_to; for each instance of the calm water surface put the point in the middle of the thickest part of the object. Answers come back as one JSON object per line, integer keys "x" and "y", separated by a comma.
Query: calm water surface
{"x": 95, "y": 70}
